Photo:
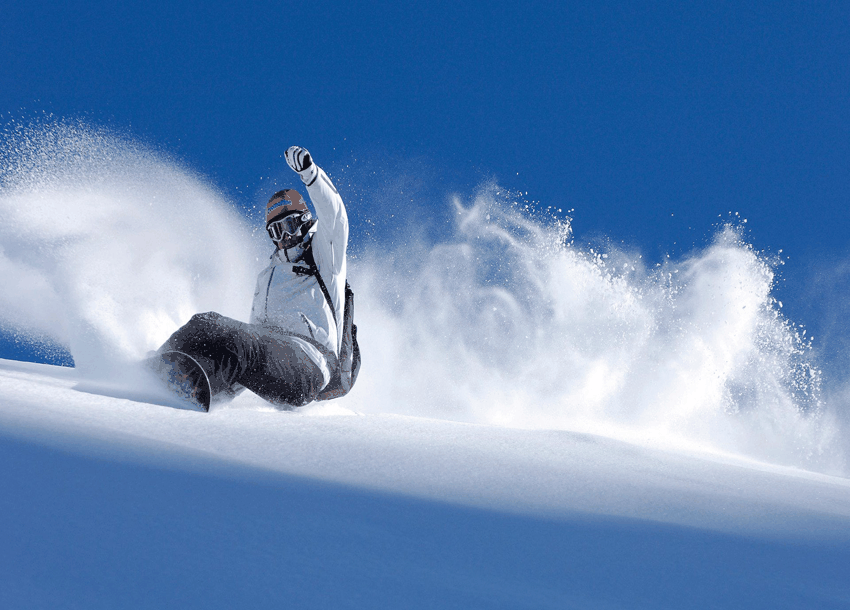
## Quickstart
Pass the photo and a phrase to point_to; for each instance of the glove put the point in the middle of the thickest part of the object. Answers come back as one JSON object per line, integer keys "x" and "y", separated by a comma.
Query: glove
{"x": 300, "y": 161}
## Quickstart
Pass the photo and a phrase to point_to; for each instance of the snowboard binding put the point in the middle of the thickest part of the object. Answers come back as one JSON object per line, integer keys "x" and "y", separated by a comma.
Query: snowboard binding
{"x": 184, "y": 377}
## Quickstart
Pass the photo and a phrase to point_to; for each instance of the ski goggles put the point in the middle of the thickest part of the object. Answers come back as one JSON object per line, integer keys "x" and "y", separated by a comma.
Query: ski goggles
{"x": 288, "y": 225}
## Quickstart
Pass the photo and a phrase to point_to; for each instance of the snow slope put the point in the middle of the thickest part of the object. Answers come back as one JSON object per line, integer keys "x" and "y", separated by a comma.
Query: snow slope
{"x": 108, "y": 502}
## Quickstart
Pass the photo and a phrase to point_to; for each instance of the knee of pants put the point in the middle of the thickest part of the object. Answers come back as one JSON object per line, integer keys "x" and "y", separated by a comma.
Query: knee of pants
{"x": 201, "y": 330}
{"x": 205, "y": 319}
{"x": 207, "y": 325}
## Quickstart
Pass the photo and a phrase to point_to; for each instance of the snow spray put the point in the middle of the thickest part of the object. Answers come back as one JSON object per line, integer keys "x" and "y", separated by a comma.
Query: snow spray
{"x": 509, "y": 323}
{"x": 107, "y": 247}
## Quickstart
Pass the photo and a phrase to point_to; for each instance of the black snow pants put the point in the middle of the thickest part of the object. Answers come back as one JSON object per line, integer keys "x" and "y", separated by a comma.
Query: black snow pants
{"x": 272, "y": 364}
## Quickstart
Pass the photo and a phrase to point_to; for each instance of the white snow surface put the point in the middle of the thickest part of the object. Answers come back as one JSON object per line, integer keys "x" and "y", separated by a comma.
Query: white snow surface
{"x": 114, "y": 502}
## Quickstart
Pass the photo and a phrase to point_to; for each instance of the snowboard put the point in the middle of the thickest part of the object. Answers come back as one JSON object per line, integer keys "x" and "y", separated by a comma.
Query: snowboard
{"x": 184, "y": 378}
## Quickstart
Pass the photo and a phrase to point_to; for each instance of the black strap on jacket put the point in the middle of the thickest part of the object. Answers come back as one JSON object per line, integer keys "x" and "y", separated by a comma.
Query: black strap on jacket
{"x": 312, "y": 269}
{"x": 348, "y": 361}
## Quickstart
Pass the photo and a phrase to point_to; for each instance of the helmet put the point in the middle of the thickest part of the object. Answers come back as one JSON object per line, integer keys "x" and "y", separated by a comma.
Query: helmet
{"x": 287, "y": 218}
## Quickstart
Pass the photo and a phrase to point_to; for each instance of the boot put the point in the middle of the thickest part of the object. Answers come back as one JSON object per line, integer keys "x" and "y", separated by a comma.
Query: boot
{"x": 184, "y": 377}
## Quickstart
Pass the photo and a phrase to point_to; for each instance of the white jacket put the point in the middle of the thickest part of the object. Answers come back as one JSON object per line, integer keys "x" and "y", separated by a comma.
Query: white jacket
{"x": 294, "y": 302}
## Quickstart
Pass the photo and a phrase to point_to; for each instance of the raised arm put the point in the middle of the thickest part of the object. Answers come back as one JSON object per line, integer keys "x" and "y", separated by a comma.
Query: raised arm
{"x": 332, "y": 228}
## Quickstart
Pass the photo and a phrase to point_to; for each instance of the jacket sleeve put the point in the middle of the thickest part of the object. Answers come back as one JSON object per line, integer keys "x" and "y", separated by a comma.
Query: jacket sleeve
{"x": 330, "y": 242}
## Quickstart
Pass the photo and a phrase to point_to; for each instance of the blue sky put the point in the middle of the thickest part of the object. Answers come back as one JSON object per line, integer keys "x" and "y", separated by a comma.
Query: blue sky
{"x": 648, "y": 119}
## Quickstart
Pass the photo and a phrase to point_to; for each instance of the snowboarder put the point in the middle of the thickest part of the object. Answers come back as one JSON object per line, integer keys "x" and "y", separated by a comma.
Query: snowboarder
{"x": 290, "y": 350}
